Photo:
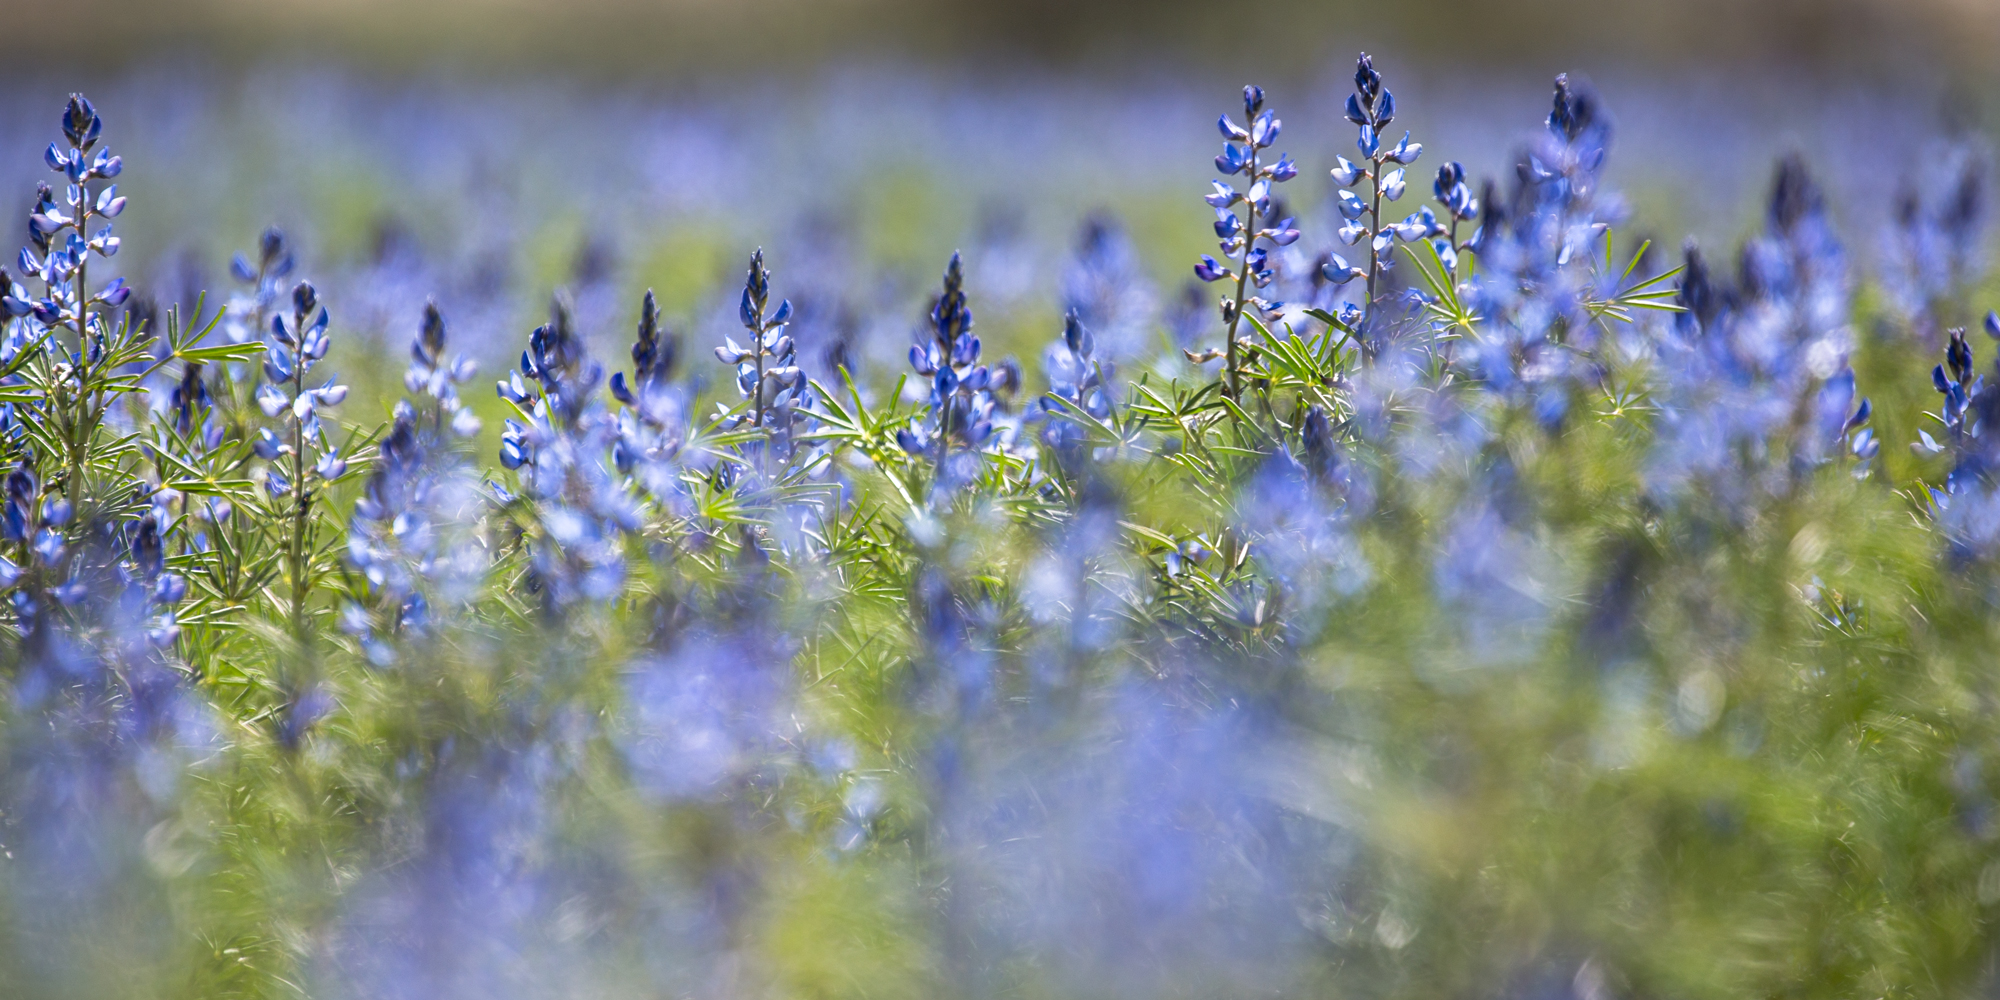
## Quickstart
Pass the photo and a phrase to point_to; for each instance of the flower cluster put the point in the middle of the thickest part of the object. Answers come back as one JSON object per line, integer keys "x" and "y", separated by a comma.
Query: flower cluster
{"x": 264, "y": 280}
{"x": 412, "y": 534}
{"x": 436, "y": 379}
{"x": 1247, "y": 241}
{"x": 1937, "y": 239}
{"x": 664, "y": 686}
{"x": 961, "y": 397}
{"x": 1542, "y": 290}
{"x": 1372, "y": 107}
{"x": 1106, "y": 287}
{"x": 653, "y": 427}
{"x": 1968, "y": 499}
{"x": 1757, "y": 384}
{"x": 561, "y": 443}
{"x": 1079, "y": 380}
{"x": 60, "y": 238}
{"x": 1459, "y": 206}
{"x": 298, "y": 344}
{"x": 767, "y": 372}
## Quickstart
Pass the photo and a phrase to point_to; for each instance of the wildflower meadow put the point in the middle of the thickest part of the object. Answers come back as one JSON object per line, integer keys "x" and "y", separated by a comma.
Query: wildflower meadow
{"x": 1444, "y": 585}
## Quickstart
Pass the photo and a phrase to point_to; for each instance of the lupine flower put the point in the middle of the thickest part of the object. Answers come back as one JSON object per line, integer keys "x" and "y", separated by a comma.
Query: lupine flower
{"x": 1938, "y": 239}
{"x": 297, "y": 345}
{"x": 561, "y": 444}
{"x": 1079, "y": 378}
{"x": 652, "y": 429}
{"x": 1242, "y": 154}
{"x": 249, "y": 313}
{"x": 1761, "y": 369}
{"x": 413, "y": 537}
{"x": 961, "y": 413}
{"x": 1107, "y": 289}
{"x": 1371, "y": 108}
{"x": 1539, "y": 254}
{"x": 437, "y": 379}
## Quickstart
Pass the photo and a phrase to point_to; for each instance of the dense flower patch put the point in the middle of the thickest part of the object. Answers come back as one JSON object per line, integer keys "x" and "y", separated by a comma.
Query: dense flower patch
{"x": 1471, "y": 602}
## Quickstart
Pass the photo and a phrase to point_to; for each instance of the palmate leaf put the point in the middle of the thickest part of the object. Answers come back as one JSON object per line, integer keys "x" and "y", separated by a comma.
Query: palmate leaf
{"x": 1101, "y": 433}
{"x": 1655, "y": 293}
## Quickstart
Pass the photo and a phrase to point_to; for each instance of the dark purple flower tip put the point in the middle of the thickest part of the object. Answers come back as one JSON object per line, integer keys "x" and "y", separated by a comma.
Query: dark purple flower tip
{"x": 80, "y": 123}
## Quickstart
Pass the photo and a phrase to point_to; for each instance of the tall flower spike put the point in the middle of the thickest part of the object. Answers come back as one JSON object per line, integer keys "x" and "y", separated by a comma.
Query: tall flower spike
{"x": 1077, "y": 377}
{"x": 767, "y": 370}
{"x": 61, "y": 236}
{"x": 560, "y": 442}
{"x": 1245, "y": 239}
{"x": 961, "y": 398}
{"x": 1372, "y": 107}
{"x": 1459, "y": 205}
{"x": 651, "y": 429}
{"x": 298, "y": 342}
{"x": 434, "y": 377}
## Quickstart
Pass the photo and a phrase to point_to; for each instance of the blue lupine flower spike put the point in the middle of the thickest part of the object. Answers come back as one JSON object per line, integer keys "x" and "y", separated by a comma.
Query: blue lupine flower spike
{"x": 1372, "y": 107}
{"x": 1245, "y": 223}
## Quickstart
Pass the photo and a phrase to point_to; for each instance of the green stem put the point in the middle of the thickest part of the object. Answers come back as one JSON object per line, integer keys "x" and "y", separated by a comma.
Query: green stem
{"x": 1235, "y": 387}
{"x": 302, "y": 518}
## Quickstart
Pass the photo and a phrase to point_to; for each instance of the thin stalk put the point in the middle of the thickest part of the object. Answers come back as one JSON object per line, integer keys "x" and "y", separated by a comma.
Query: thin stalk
{"x": 1242, "y": 279}
{"x": 79, "y": 427}
{"x": 1375, "y": 230}
{"x": 296, "y": 547}
{"x": 758, "y": 392}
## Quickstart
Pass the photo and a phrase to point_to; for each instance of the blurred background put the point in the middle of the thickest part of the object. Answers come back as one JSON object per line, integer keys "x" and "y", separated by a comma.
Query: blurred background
{"x": 683, "y": 39}
{"x": 485, "y": 152}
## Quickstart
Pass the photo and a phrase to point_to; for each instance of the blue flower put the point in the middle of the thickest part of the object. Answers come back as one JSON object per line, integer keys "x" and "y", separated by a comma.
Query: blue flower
{"x": 1339, "y": 271}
